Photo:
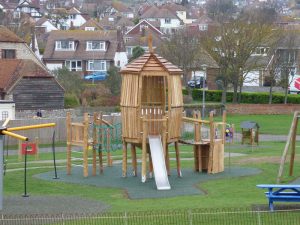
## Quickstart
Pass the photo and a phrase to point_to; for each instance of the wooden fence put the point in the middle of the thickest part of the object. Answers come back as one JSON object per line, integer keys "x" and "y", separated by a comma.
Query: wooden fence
{"x": 45, "y": 134}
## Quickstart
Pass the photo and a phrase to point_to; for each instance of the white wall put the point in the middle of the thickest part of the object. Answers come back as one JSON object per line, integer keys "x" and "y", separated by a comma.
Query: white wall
{"x": 252, "y": 79}
{"x": 77, "y": 22}
{"x": 54, "y": 66}
{"x": 122, "y": 58}
{"x": 49, "y": 26}
{"x": 7, "y": 107}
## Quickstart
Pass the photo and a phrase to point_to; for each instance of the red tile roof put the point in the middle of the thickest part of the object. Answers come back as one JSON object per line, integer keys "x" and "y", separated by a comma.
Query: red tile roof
{"x": 14, "y": 69}
{"x": 8, "y": 36}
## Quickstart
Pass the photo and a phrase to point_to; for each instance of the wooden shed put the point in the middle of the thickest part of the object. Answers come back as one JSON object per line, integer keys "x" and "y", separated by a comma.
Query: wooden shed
{"x": 151, "y": 104}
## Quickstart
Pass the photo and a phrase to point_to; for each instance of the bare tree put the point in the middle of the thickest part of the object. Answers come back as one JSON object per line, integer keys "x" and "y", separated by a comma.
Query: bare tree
{"x": 181, "y": 49}
{"x": 231, "y": 46}
{"x": 287, "y": 54}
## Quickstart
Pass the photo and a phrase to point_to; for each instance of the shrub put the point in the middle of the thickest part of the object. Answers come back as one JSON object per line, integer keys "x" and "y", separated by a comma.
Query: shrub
{"x": 71, "y": 101}
{"x": 247, "y": 97}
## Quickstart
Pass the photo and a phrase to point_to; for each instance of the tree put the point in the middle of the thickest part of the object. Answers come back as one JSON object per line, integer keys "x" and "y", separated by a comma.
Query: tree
{"x": 182, "y": 49}
{"x": 287, "y": 53}
{"x": 70, "y": 81}
{"x": 137, "y": 51}
{"x": 231, "y": 46}
{"x": 113, "y": 81}
{"x": 220, "y": 10}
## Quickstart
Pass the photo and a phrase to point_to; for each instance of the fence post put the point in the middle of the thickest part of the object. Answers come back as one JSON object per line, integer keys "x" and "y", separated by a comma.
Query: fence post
{"x": 190, "y": 214}
{"x": 125, "y": 219}
{"x": 258, "y": 218}
{"x": 63, "y": 219}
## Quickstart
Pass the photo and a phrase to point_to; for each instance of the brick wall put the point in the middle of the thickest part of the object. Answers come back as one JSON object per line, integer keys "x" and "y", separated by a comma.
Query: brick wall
{"x": 262, "y": 108}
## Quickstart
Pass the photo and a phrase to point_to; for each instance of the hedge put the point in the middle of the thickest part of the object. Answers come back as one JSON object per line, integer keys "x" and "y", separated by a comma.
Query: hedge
{"x": 247, "y": 97}
{"x": 71, "y": 101}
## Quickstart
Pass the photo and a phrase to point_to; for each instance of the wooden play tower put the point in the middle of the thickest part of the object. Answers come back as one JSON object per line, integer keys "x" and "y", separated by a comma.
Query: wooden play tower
{"x": 151, "y": 104}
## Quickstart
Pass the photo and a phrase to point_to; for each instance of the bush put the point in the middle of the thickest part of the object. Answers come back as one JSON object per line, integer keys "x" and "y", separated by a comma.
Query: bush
{"x": 247, "y": 97}
{"x": 71, "y": 101}
{"x": 185, "y": 92}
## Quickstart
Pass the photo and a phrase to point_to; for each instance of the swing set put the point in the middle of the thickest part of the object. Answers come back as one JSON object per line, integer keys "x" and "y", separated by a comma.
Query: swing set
{"x": 4, "y": 130}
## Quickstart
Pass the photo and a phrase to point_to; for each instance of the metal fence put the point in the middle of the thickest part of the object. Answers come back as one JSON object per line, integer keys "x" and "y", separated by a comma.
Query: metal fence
{"x": 174, "y": 217}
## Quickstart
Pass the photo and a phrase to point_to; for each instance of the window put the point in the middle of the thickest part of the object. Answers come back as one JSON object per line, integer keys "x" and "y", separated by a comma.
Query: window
{"x": 74, "y": 65}
{"x": 64, "y": 45}
{"x": 129, "y": 50}
{"x": 95, "y": 46}
{"x": 73, "y": 17}
{"x": 8, "y": 53}
{"x": 89, "y": 28}
{"x": 4, "y": 115}
{"x": 167, "y": 20}
{"x": 261, "y": 51}
{"x": 96, "y": 65}
{"x": 202, "y": 27}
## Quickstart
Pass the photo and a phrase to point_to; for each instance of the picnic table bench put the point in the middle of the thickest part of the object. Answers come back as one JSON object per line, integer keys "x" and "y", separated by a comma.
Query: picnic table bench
{"x": 281, "y": 193}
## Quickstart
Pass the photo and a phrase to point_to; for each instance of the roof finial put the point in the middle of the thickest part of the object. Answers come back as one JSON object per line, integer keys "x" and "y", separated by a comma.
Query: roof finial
{"x": 150, "y": 43}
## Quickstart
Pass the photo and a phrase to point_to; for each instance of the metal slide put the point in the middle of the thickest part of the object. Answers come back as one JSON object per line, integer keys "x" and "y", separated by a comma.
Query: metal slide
{"x": 158, "y": 161}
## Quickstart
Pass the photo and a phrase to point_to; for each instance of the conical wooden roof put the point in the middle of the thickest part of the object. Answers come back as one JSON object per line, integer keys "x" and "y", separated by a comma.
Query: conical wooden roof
{"x": 150, "y": 62}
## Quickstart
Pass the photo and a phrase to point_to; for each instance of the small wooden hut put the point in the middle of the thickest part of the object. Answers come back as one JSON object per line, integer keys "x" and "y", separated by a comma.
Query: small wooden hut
{"x": 151, "y": 104}
{"x": 250, "y": 132}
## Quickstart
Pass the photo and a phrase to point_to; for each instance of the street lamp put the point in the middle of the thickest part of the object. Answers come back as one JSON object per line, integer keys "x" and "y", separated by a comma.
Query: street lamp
{"x": 204, "y": 66}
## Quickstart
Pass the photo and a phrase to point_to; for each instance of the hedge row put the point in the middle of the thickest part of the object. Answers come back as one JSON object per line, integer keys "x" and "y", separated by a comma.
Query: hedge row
{"x": 247, "y": 97}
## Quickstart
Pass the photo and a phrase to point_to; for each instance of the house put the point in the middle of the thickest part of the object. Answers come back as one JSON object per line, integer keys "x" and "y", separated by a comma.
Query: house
{"x": 75, "y": 18}
{"x": 118, "y": 7}
{"x": 180, "y": 11}
{"x": 202, "y": 24}
{"x": 26, "y": 6}
{"x": 169, "y": 21}
{"x": 91, "y": 25}
{"x": 44, "y": 25}
{"x": 87, "y": 52}
{"x": 29, "y": 85}
{"x": 116, "y": 21}
{"x": 138, "y": 36}
{"x": 13, "y": 47}
{"x": 65, "y": 19}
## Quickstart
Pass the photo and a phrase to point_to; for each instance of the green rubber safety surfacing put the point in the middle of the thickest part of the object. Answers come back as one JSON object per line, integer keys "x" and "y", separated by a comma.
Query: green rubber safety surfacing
{"x": 135, "y": 189}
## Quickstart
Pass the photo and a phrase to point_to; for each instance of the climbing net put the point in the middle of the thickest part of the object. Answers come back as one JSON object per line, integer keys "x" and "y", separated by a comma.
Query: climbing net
{"x": 107, "y": 137}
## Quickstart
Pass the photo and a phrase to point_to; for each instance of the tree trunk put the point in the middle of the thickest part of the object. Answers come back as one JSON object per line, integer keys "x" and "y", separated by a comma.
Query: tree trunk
{"x": 240, "y": 93}
{"x": 235, "y": 92}
{"x": 271, "y": 94}
{"x": 285, "y": 95}
{"x": 224, "y": 95}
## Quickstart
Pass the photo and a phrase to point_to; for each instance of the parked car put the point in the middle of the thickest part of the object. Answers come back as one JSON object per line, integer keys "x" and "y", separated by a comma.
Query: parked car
{"x": 98, "y": 76}
{"x": 197, "y": 82}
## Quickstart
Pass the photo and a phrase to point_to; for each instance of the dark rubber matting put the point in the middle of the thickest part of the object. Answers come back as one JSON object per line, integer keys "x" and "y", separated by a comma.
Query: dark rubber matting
{"x": 137, "y": 190}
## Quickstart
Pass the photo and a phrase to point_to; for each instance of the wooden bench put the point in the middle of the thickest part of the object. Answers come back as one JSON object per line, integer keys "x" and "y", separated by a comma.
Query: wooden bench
{"x": 281, "y": 193}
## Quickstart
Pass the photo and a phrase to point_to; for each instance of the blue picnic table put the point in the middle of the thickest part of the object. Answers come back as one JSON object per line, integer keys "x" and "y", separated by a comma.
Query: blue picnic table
{"x": 281, "y": 193}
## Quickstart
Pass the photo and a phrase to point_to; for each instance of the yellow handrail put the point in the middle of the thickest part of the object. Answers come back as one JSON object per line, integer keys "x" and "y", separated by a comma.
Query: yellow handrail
{"x": 31, "y": 127}
{"x": 187, "y": 119}
{"x": 20, "y": 137}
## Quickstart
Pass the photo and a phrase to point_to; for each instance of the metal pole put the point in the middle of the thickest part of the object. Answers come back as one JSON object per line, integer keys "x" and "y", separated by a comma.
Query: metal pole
{"x": 54, "y": 160}
{"x": 25, "y": 175}
{"x": 203, "y": 92}
{"x": 1, "y": 170}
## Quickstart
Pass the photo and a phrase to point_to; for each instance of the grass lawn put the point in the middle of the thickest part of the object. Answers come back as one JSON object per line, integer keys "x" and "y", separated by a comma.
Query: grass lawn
{"x": 229, "y": 192}
{"x": 269, "y": 124}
